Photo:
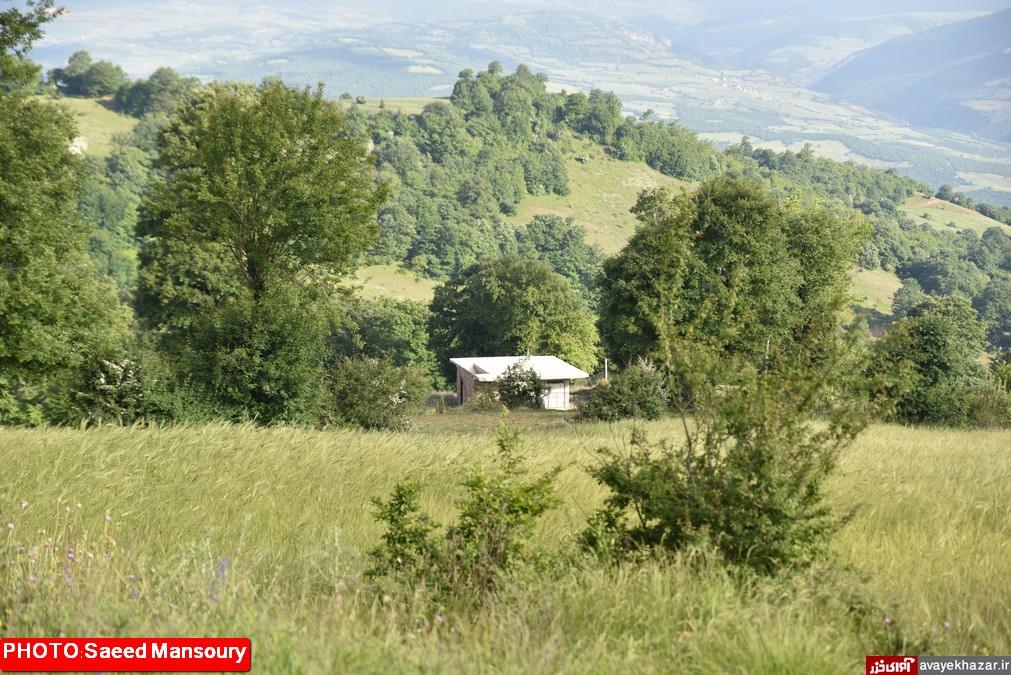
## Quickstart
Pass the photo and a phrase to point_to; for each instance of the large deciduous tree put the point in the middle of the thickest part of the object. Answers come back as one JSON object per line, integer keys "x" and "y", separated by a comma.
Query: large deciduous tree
{"x": 754, "y": 266}
{"x": 507, "y": 305}
{"x": 266, "y": 193}
{"x": 55, "y": 312}
{"x": 269, "y": 174}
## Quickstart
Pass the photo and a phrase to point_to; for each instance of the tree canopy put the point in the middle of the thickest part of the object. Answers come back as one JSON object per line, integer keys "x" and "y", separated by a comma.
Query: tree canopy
{"x": 755, "y": 264}
{"x": 265, "y": 182}
{"x": 266, "y": 198}
{"x": 508, "y": 305}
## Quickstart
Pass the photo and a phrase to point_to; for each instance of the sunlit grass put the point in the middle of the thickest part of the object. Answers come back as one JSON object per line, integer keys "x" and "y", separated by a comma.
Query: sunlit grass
{"x": 238, "y": 530}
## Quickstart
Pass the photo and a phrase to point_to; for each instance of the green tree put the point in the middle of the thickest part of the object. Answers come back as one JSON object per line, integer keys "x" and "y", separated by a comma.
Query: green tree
{"x": 19, "y": 28}
{"x": 102, "y": 79}
{"x": 68, "y": 79}
{"x": 265, "y": 196}
{"x": 994, "y": 305}
{"x": 391, "y": 330}
{"x": 940, "y": 341}
{"x": 562, "y": 244}
{"x": 507, "y": 305}
{"x": 56, "y": 313}
{"x": 746, "y": 476}
{"x": 160, "y": 93}
{"x": 271, "y": 176}
{"x": 753, "y": 264}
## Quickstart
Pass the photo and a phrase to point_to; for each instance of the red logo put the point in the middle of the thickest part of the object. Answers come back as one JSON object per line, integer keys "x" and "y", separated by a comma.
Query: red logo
{"x": 877, "y": 665}
{"x": 194, "y": 655}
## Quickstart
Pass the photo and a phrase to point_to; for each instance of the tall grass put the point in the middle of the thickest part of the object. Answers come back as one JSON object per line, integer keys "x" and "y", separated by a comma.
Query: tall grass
{"x": 236, "y": 530}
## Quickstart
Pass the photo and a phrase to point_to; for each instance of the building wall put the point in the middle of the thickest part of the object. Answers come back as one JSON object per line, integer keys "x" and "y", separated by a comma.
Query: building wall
{"x": 557, "y": 397}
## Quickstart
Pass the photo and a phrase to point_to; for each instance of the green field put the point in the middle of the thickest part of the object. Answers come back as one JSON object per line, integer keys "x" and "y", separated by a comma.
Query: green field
{"x": 408, "y": 106}
{"x": 96, "y": 124}
{"x": 394, "y": 281}
{"x": 602, "y": 190}
{"x": 874, "y": 289}
{"x": 940, "y": 214}
{"x": 237, "y": 530}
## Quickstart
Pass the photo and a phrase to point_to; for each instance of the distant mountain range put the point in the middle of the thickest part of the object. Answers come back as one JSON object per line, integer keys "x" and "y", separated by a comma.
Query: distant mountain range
{"x": 724, "y": 68}
{"x": 956, "y": 76}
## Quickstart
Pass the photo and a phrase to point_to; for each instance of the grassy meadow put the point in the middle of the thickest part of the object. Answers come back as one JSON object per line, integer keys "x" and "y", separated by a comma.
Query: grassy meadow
{"x": 263, "y": 532}
{"x": 96, "y": 124}
{"x": 941, "y": 215}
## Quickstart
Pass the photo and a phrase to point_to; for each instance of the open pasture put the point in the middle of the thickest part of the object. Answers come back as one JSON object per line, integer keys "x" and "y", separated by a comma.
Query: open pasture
{"x": 238, "y": 530}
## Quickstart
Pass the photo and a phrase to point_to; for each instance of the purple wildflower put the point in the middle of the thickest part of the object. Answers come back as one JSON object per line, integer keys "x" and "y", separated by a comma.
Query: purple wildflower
{"x": 10, "y": 526}
{"x": 888, "y": 621}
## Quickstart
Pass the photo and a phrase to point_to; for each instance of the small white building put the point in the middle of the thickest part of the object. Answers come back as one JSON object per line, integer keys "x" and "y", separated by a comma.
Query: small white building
{"x": 475, "y": 371}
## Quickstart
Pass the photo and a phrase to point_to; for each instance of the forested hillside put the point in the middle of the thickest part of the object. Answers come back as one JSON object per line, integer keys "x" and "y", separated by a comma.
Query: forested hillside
{"x": 461, "y": 184}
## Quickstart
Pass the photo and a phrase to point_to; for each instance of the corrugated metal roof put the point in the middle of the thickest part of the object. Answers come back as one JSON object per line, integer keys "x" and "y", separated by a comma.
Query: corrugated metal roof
{"x": 490, "y": 368}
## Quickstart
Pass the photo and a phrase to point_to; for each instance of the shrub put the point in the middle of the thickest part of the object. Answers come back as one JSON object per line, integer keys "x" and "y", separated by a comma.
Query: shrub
{"x": 521, "y": 387}
{"x": 637, "y": 392}
{"x": 497, "y": 517}
{"x": 748, "y": 473}
{"x": 374, "y": 394}
{"x": 989, "y": 404}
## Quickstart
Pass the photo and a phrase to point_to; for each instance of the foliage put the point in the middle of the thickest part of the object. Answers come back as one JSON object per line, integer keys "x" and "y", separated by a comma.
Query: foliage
{"x": 374, "y": 393}
{"x": 82, "y": 77}
{"x": 55, "y": 311}
{"x": 161, "y": 93}
{"x": 19, "y": 28}
{"x": 263, "y": 361}
{"x": 637, "y": 392}
{"x": 272, "y": 176}
{"x": 521, "y": 387}
{"x": 562, "y": 244}
{"x": 939, "y": 343}
{"x": 496, "y": 521}
{"x": 757, "y": 264}
{"x": 388, "y": 329}
{"x": 265, "y": 197}
{"x": 508, "y": 305}
{"x": 747, "y": 475}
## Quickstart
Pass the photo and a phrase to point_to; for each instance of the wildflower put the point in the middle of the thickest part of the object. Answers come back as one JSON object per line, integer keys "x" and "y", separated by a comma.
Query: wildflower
{"x": 132, "y": 577}
{"x": 108, "y": 518}
{"x": 31, "y": 578}
{"x": 438, "y": 618}
{"x": 78, "y": 504}
{"x": 71, "y": 556}
{"x": 946, "y": 624}
{"x": 13, "y": 563}
{"x": 105, "y": 555}
{"x": 10, "y": 526}
{"x": 24, "y": 504}
{"x": 215, "y": 598}
{"x": 888, "y": 621}
{"x": 46, "y": 544}
{"x": 21, "y": 549}
{"x": 68, "y": 509}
